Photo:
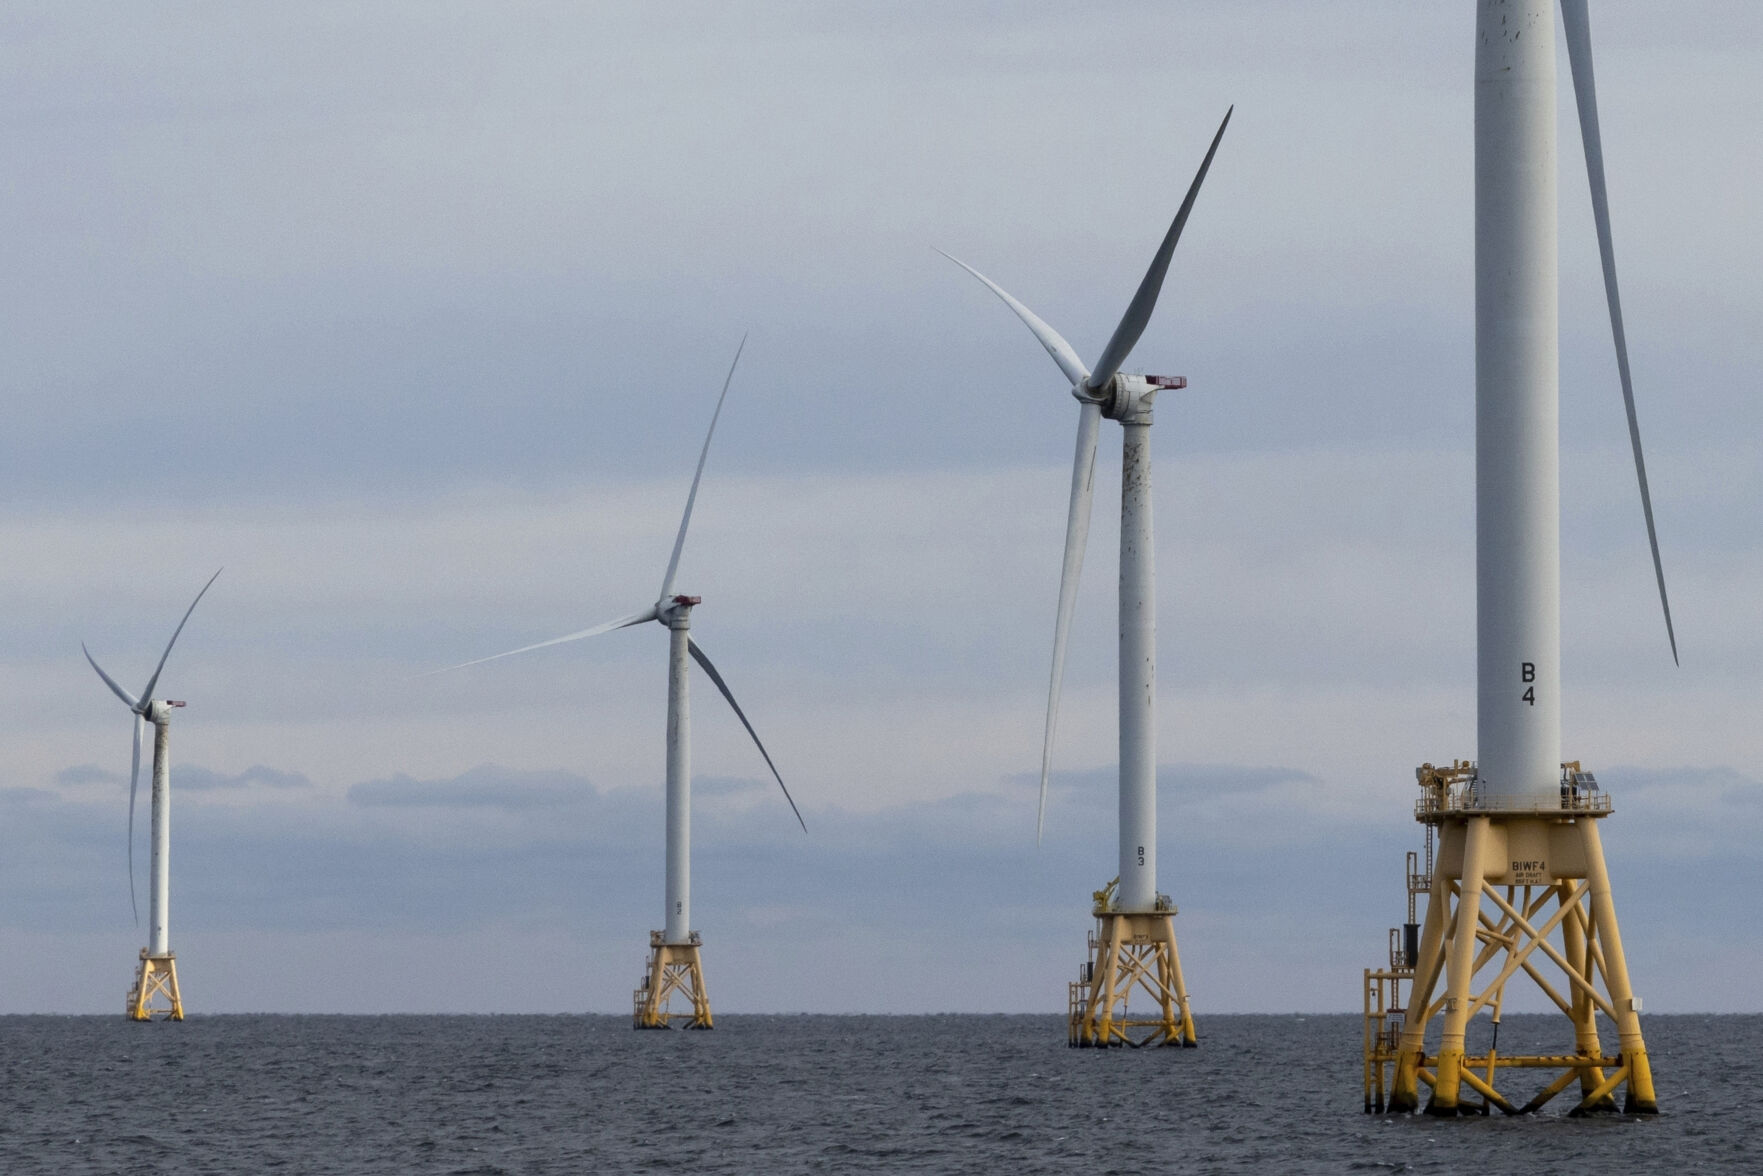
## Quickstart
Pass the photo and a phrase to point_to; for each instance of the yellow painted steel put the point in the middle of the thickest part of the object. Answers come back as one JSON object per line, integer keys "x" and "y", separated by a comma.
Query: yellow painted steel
{"x": 674, "y": 969}
{"x": 1499, "y": 870}
{"x": 1640, "y": 1099}
{"x": 1131, "y": 952}
{"x": 1383, "y": 1021}
{"x": 155, "y": 995}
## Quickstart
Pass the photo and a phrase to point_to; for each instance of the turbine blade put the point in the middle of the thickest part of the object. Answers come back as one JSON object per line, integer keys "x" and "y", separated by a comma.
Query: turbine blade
{"x": 134, "y": 776}
{"x": 710, "y": 671}
{"x": 685, "y": 521}
{"x": 1056, "y": 346}
{"x": 647, "y": 614}
{"x": 1138, "y": 311}
{"x": 1577, "y": 25}
{"x": 147, "y": 694}
{"x": 130, "y": 700}
{"x": 1077, "y": 532}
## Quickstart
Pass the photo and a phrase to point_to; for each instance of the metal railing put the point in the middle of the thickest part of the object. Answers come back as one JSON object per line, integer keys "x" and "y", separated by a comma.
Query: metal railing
{"x": 1472, "y": 800}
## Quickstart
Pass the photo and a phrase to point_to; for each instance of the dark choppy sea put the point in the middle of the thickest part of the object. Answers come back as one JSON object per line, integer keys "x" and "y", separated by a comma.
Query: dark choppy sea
{"x": 238, "y": 1094}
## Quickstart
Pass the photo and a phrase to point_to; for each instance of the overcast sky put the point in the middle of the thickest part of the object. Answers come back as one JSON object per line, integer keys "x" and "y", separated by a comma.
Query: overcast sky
{"x": 413, "y": 315}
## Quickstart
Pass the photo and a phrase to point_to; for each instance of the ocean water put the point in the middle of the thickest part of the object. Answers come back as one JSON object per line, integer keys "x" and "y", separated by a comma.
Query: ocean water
{"x": 542, "y": 1094}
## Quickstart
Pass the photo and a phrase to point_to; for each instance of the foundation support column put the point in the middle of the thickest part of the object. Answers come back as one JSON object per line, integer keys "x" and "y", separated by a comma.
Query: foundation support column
{"x": 1641, "y": 1099}
{"x": 1459, "y": 971}
{"x": 1585, "y": 1026}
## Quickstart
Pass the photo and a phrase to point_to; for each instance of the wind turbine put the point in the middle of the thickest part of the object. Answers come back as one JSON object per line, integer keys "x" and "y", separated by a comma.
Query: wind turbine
{"x": 1519, "y": 819}
{"x": 156, "y": 977}
{"x": 1135, "y": 944}
{"x": 674, "y": 960}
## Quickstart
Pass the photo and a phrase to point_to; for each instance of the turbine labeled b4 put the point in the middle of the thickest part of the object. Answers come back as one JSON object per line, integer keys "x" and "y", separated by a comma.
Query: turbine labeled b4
{"x": 1519, "y": 882}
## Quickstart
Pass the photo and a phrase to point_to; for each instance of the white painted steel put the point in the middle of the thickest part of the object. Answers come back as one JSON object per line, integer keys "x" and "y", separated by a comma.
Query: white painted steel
{"x": 1077, "y": 519}
{"x": 128, "y": 700}
{"x": 1138, "y": 669}
{"x": 1127, "y": 399}
{"x": 1518, "y": 517}
{"x": 1077, "y": 533}
{"x": 649, "y": 614}
{"x": 152, "y": 682}
{"x": 134, "y": 778}
{"x": 159, "y": 876}
{"x": 144, "y": 708}
{"x": 675, "y": 613}
{"x": 679, "y": 779}
{"x": 1144, "y": 300}
{"x": 1576, "y": 23}
{"x": 679, "y": 540}
{"x": 716, "y": 679}
{"x": 1052, "y": 340}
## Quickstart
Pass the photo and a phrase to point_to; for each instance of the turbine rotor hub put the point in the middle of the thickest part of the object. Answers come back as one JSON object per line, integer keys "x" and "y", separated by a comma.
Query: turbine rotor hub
{"x": 1081, "y": 393}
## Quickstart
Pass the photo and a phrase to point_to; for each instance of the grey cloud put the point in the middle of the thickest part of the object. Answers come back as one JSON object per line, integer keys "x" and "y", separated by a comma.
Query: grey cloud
{"x": 27, "y": 796}
{"x": 580, "y": 865}
{"x": 1189, "y": 779}
{"x": 481, "y": 787}
{"x": 88, "y": 774}
{"x": 186, "y": 777}
{"x": 1688, "y": 782}
{"x": 258, "y": 776}
{"x": 728, "y": 785}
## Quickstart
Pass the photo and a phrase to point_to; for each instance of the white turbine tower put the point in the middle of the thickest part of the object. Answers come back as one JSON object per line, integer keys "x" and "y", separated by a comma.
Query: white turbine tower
{"x": 1519, "y": 820}
{"x": 674, "y": 961}
{"x": 1135, "y": 944}
{"x": 156, "y": 977}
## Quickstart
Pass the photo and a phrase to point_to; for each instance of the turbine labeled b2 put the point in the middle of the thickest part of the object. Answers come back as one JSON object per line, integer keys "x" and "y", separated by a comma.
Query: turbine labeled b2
{"x": 1135, "y": 941}
{"x": 675, "y": 966}
{"x": 156, "y": 978}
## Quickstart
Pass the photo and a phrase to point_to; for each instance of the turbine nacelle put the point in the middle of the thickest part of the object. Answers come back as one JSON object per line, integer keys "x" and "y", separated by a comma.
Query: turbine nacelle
{"x": 159, "y": 710}
{"x": 1127, "y": 396}
{"x": 670, "y": 607}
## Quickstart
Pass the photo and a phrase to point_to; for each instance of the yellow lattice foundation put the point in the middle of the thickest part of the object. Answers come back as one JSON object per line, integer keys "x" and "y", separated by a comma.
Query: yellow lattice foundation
{"x": 1517, "y": 889}
{"x": 155, "y": 994}
{"x": 675, "y": 970}
{"x": 1131, "y": 953}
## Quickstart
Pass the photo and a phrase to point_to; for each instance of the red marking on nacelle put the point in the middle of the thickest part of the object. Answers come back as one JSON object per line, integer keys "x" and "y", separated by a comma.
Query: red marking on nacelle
{"x": 1167, "y": 381}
